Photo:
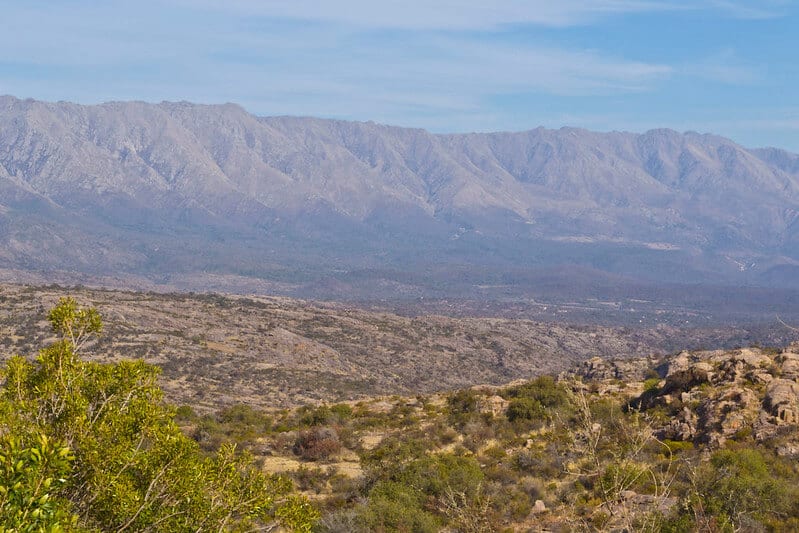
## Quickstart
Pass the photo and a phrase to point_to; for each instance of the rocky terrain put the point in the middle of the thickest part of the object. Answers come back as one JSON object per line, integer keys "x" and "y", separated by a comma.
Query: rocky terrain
{"x": 188, "y": 196}
{"x": 427, "y": 423}
{"x": 273, "y": 351}
{"x": 710, "y": 397}
{"x": 697, "y": 441}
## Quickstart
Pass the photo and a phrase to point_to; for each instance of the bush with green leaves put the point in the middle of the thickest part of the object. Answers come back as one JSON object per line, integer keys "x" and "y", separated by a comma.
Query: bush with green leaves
{"x": 410, "y": 489}
{"x": 743, "y": 486}
{"x": 463, "y": 406}
{"x": 543, "y": 389}
{"x": 32, "y": 481}
{"x": 536, "y": 400}
{"x": 90, "y": 446}
{"x": 527, "y": 409}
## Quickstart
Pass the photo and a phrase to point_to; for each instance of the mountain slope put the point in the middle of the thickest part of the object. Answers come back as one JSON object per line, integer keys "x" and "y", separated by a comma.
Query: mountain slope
{"x": 276, "y": 351}
{"x": 168, "y": 189}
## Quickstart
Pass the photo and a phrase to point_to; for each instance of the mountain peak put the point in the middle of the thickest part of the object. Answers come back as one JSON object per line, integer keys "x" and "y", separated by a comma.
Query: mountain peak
{"x": 321, "y": 189}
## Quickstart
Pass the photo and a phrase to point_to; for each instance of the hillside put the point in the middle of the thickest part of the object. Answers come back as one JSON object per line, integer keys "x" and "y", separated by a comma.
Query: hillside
{"x": 700, "y": 441}
{"x": 697, "y": 441}
{"x": 184, "y": 195}
{"x": 273, "y": 351}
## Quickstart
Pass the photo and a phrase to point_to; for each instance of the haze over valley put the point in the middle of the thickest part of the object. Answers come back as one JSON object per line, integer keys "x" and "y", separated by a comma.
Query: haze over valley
{"x": 192, "y": 197}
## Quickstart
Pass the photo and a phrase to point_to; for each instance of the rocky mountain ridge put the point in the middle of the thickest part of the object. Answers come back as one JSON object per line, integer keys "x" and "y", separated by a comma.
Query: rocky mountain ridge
{"x": 176, "y": 190}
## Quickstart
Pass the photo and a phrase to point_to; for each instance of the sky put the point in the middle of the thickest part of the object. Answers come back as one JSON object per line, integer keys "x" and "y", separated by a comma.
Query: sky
{"x": 722, "y": 66}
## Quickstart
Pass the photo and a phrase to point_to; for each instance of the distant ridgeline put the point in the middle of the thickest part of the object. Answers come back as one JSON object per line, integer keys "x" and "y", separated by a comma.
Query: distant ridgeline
{"x": 196, "y": 197}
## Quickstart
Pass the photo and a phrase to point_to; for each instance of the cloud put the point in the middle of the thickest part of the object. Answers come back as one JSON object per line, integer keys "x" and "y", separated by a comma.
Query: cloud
{"x": 446, "y": 65}
{"x": 723, "y": 67}
{"x": 476, "y": 14}
{"x": 753, "y": 10}
{"x": 114, "y": 53}
{"x": 786, "y": 121}
{"x": 440, "y": 14}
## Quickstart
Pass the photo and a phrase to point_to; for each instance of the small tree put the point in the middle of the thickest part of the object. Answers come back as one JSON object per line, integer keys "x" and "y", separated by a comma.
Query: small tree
{"x": 114, "y": 457}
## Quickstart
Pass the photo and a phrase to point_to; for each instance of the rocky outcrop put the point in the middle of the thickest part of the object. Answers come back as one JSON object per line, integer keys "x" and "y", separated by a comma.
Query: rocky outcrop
{"x": 627, "y": 370}
{"x": 495, "y": 405}
{"x": 712, "y": 397}
{"x": 782, "y": 401}
{"x": 681, "y": 427}
{"x": 683, "y": 375}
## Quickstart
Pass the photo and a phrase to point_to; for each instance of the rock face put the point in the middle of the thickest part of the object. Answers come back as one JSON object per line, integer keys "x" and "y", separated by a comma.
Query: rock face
{"x": 711, "y": 397}
{"x": 494, "y": 405}
{"x": 597, "y": 368}
{"x": 162, "y": 189}
{"x": 683, "y": 375}
{"x": 782, "y": 401}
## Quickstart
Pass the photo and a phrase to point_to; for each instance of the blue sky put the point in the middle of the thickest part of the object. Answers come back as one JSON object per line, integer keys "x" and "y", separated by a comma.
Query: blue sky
{"x": 727, "y": 67}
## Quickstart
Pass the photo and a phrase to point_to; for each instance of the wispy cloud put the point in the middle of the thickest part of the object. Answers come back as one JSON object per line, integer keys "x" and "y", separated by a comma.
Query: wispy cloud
{"x": 763, "y": 9}
{"x": 440, "y": 14}
{"x": 445, "y": 65}
{"x": 477, "y": 14}
{"x": 309, "y": 63}
{"x": 724, "y": 67}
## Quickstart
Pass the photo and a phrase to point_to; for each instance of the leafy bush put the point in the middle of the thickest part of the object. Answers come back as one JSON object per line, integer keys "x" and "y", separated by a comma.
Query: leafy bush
{"x": 525, "y": 409}
{"x": 544, "y": 389}
{"x": 652, "y": 384}
{"x": 740, "y": 483}
{"x": 463, "y": 408}
{"x": 536, "y": 400}
{"x": 94, "y": 446}
{"x": 32, "y": 481}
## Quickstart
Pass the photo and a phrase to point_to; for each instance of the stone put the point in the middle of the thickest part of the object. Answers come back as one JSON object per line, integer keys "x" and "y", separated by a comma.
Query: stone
{"x": 495, "y": 405}
{"x": 790, "y": 368}
{"x": 788, "y": 450}
{"x": 539, "y": 507}
{"x": 782, "y": 401}
{"x": 685, "y": 378}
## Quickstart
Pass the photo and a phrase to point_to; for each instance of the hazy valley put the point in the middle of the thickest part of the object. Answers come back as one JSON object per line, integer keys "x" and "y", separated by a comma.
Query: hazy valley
{"x": 189, "y": 197}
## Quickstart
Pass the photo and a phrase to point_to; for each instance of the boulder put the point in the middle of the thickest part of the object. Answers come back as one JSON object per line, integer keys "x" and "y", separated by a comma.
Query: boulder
{"x": 789, "y": 367}
{"x": 681, "y": 427}
{"x": 684, "y": 378}
{"x": 597, "y": 368}
{"x": 782, "y": 401}
{"x": 752, "y": 357}
{"x": 539, "y": 507}
{"x": 495, "y": 405}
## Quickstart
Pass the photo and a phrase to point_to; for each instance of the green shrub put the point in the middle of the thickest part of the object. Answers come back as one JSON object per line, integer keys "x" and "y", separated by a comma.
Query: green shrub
{"x": 544, "y": 389}
{"x": 394, "y": 508}
{"x": 185, "y": 413}
{"x": 463, "y": 407}
{"x": 33, "y": 472}
{"x": 342, "y": 411}
{"x": 132, "y": 468}
{"x": 652, "y": 384}
{"x": 316, "y": 416}
{"x": 678, "y": 446}
{"x": 525, "y": 409}
{"x": 739, "y": 485}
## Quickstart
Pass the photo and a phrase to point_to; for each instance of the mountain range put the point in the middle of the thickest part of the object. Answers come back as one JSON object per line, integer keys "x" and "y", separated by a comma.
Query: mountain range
{"x": 211, "y": 195}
